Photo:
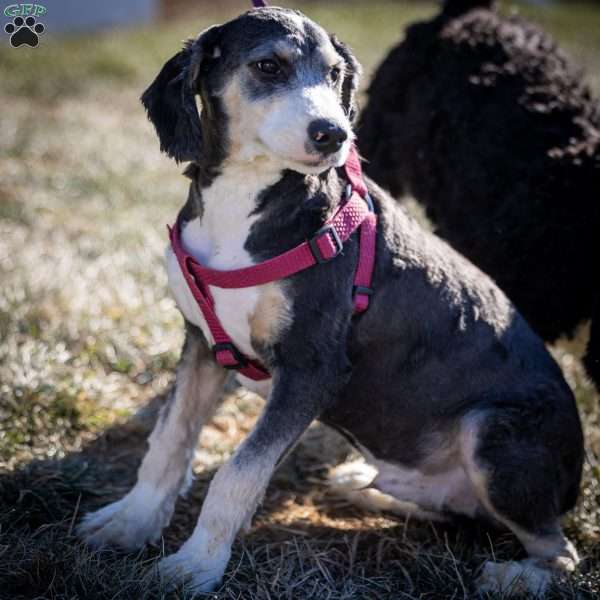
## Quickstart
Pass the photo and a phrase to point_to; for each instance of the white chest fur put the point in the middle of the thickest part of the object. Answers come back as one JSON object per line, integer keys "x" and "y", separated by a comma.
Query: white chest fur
{"x": 217, "y": 239}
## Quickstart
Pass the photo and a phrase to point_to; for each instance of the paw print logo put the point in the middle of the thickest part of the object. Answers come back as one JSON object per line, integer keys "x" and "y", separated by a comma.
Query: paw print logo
{"x": 24, "y": 32}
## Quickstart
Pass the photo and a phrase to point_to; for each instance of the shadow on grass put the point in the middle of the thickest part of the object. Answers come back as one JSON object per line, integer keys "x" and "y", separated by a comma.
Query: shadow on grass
{"x": 304, "y": 543}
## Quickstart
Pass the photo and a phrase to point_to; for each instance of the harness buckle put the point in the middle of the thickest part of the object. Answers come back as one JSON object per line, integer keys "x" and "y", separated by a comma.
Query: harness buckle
{"x": 360, "y": 290}
{"x": 348, "y": 191}
{"x": 327, "y": 230}
{"x": 236, "y": 355}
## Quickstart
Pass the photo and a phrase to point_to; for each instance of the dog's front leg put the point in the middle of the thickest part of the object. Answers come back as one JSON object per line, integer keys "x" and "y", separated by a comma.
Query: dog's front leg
{"x": 140, "y": 516}
{"x": 239, "y": 485}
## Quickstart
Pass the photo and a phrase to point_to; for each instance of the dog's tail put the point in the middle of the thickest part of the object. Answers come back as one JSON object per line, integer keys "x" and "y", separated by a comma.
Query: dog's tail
{"x": 455, "y": 8}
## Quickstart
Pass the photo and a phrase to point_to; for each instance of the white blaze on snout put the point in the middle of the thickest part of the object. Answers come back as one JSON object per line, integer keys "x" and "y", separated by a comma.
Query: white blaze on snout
{"x": 284, "y": 129}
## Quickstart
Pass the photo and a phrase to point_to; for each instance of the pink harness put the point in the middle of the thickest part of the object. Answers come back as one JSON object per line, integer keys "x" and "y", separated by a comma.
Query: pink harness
{"x": 355, "y": 211}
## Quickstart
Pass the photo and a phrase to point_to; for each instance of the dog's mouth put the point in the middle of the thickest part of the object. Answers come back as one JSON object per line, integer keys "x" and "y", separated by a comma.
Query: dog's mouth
{"x": 313, "y": 164}
{"x": 304, "y": 161}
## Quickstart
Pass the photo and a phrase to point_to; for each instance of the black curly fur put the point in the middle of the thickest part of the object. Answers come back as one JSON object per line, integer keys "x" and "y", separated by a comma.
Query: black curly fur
{"x": 488, "y": 124}
{"x": 458, "y": 7}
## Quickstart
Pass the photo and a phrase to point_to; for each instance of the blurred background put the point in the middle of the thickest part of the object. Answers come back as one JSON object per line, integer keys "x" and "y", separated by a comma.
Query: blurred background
{"x": 89, "y": 334}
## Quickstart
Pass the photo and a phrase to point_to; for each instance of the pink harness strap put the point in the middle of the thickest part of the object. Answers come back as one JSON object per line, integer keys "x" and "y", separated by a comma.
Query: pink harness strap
{"x": 368, "y": 229}
{"x": 325, "y": 245}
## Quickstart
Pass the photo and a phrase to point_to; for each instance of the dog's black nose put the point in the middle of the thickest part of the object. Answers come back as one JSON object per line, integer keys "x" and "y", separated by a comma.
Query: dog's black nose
{"x": 326, "y": 137}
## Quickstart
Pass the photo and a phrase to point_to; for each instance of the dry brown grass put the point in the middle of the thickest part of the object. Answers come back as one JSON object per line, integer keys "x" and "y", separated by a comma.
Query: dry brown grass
{"x": 89, "y": 335}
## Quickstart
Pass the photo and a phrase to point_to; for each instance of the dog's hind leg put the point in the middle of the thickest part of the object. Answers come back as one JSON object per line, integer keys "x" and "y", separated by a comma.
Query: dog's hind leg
{"x": 517, "y": 480}
{"x": 140, "y": 516}
{"x": 356, "y": 482}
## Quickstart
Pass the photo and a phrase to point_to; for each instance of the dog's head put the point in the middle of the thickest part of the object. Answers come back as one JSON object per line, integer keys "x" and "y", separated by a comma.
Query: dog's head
{"x": 270, "y": 83}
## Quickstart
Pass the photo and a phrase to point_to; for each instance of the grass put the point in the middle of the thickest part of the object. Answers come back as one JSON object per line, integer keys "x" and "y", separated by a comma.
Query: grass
{"x": 89, "y": 338}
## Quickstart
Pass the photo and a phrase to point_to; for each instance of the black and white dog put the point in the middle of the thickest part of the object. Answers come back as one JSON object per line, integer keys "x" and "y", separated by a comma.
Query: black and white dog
{"x": 454, "y": 402}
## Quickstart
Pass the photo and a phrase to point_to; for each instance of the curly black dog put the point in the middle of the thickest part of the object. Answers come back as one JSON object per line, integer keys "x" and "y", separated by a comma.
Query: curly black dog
{"x": 491, "y": 127}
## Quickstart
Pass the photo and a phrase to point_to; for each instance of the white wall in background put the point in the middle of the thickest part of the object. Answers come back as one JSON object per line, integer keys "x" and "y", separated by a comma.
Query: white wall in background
{"x": 87, "y": 15}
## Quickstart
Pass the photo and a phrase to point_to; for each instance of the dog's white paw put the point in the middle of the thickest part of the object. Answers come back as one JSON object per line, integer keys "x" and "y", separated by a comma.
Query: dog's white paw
{"x": 353, "y": 475}
{"x": 514, "y": 578}
{"x": 129, "y": 523}
{"x": 200, "y": 571}
{"x": 567, "y": 560}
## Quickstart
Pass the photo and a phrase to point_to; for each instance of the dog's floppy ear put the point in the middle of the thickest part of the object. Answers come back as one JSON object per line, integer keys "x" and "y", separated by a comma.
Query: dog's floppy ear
{"x": 170, "y": 99}
{"x": 353, "y": 71}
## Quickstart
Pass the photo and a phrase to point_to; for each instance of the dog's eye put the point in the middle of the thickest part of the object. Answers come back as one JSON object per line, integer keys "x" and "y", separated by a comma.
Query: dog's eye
{"x": 268, "y": 67}
{"x": 335, "y": 74}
